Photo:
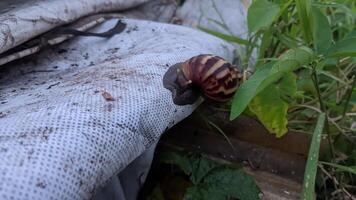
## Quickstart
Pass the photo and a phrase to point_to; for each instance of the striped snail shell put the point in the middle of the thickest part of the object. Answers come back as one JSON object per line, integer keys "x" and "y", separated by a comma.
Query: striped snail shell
{"x": 204, "y": 75}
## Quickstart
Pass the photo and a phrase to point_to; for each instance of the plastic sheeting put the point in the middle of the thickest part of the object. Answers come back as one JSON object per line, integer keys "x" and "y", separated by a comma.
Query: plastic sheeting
{"x": 60, "y": 138}
{"x": 78, "y": 114}
{"x": 228, "y": 17}
{"x": 20, "y": 20}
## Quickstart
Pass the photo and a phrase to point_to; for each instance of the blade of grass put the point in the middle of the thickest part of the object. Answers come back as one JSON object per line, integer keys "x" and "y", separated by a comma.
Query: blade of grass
{"x": 221, "y": 17}
{"x": 340, "y": 167}
{"x": 303, "y": 8}
{"x": 287, "y": 41}
{"x": 312, "y": 162}
{"x": 222, "y": 25}
{"x": 226, "y": 37}
{"x": 322, "y": 34}
{"x": 265, "y": 42}
{"x": 331, "y": 76}
{"x": 222, "y": 133}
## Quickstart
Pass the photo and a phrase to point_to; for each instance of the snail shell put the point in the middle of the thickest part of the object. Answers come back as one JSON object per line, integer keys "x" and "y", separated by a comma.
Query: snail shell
{"x": 204, "y": 75}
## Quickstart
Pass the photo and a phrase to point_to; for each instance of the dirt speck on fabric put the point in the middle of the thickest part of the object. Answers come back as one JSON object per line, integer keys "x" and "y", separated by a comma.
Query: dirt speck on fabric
{"x": 107, "y": 96}
{"x": 109, "y": 107}
{"x": 41, "y": 184}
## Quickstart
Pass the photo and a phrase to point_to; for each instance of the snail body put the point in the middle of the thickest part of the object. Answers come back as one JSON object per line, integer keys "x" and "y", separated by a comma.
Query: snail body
{"x": 204, "y": 75}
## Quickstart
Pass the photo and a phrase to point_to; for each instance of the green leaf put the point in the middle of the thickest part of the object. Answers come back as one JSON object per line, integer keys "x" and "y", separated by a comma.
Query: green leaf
{"x": 328, "y": 74}
{"x": 322, "y": 34}
{"x": 156, "y": 194}
{"x": 194, "y": 165}
{"x": 313, "y": 156}
{"x": 287, "y": 40}
{"x": 266, "y": 75}
{"x": 352, "y": 34}
{"x": 303, "y": 8}
{"x": 202, "y": 192}
{"x": 248, "y": 90}
{"x": 265, "y": 42}
{"x": 351, "y": 169}
{"x": 271, "y": 109}
{"x": 181, "y": 160}
{"x": 221, "y": 132}
{"x": 233, "y": 182}
{"x": 302, "y": 55}
{"x": 229, "y": 38}
{"x": 261, "y": 14}
{"x": 343, "y": 48}
{"x": 201, "y": 166}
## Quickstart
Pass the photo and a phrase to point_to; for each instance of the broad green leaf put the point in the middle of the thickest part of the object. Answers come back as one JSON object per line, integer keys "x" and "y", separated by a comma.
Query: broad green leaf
{"x": 270, "y": 108}
{"x": 303, "y": 9}
{"x": 261, "y": 14}
{"x": 305, "y": 84}
{"x": 200, "y": 167}
{"x": 248, "y": 90}
{"x": 322, "y": 34}
{"x": 351, "y": 169}
{"x": 287, "y": 40}
{"x": 313, "y": 156}
{"x": 156, "y": 194}
{"x": 233, "y": 182}
{"x": 229, "y": 38}
{"x": 352, "y": 34}
{"x": 301, "y": 55}
{"x": 181, "y": 160}
{"x": 202, "y": 192}
{"x": 288, "y": 85}
{"x": 194, "y": 165}
{"x": 266, "y": 75}
{"x": 343, "y": 48}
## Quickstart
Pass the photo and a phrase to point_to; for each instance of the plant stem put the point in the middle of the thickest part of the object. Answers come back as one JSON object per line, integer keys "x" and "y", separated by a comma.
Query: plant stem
{"x": 250, "y": 49}
{"x": 323, "y": 108}
{"x": 348, "y": 96}
{"x": 274, "y": 52}
{"x": 325, "y": 94}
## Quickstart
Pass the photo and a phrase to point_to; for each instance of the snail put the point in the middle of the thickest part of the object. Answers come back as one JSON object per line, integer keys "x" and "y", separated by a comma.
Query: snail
{"x": 204, "y": 75}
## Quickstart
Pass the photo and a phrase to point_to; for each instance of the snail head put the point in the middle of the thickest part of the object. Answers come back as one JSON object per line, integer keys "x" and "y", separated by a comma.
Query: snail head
{"x": 183, "y": 91}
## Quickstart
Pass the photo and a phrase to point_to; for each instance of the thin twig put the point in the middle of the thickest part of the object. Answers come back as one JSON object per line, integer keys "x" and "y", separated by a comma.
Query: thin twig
{"x": 337, "y": 126}
{"x": 223, "y": 134}
{"x": 325, "y": 94}
{"x": 300, "y": 122}
{"x": 299, "y": 131}
{"x": 306, "y": 106}
{"x": 336, "y": 182}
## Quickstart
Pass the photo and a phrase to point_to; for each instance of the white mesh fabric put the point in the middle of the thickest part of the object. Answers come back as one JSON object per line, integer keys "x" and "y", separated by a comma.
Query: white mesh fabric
{"x": 21, "y": 20}
{"x": 59, "y": 138}
{"x": 229, "y": 18}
